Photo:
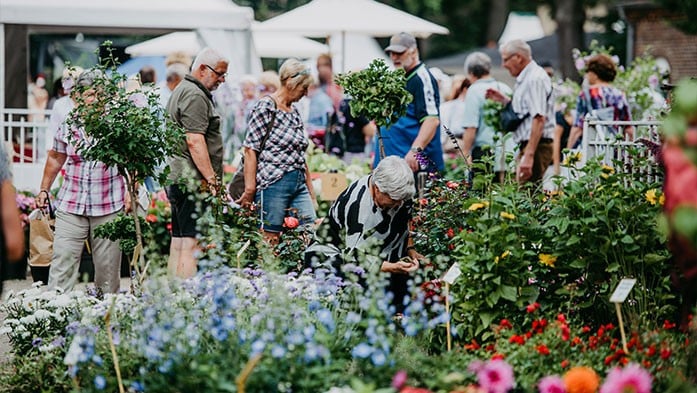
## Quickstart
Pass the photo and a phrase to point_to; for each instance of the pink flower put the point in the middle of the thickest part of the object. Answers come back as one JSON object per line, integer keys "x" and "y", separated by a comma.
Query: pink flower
{"x": 138, "y": 99}
{"x": 631, "y": 379}
{"x": 399, "y": 379}
{"x": 452, "y": 184}
{"x": 653, "y": 81}
{"x": 291, "y": 222}
{"x": 496, "y": 376}
{"x": 551, "y": 384}
{"x": 580, "y": 64}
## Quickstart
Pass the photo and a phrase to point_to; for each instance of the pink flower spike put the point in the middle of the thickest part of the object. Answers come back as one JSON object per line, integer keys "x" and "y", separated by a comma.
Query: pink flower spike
{"x": 632, "y": 379}
{"x": 399, "y": 379}
{"x": 496, "y": 376}
{"x": 551, "y": 384}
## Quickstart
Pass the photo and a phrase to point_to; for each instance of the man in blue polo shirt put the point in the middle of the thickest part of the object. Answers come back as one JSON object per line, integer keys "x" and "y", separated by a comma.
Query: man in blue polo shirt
{"x": 419, "y": 129}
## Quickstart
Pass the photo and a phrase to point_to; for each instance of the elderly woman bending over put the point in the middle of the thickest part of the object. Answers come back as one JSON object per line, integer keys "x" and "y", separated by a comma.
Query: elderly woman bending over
{"x": 275, "y": 171}
{"x": 375, "y": 208}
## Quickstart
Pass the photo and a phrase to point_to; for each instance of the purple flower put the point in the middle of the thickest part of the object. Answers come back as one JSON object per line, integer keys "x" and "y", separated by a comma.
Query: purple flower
{"x": 67, "y": 84}
{"x": 615, "y": 59}
{"x": 551, "y": 384}
{"x": 139, "y": 100}
{"x": 580, "y": 64}
{"x": 653, "y": 81}
{"x": 496, "y": 376}
{"x": 632, "y": 378}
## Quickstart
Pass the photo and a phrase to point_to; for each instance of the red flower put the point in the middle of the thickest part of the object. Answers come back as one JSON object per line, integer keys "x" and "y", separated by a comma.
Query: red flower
{"x": 586, "y": 329}
{"x": 576, "y": 341}
{"x": 531, "y": 308}
{"x": 668, "y": 325}
{"x": 497, "y": 356}
{"x": 291, "y": 222}
{"x": 505, "y": 324}
{"x": 516, "y": 339}
{"x": 169, "y": 227}
{"x": 542, "y": 349}
{"x": 450, "y": 233}
{"x": 665, "y": 353}
{"x": 151, "y": 218}
{"x": 409, "y": 389}
{"x": 451, "y": 246}
{"x": 561, "y": 318}
{"x": 651, "y": 351}
{"x": 473, "y": 346}
{"x": 453, "y": 185}
{"x": 565, "y": 363}
{"x": 565, "y": 332}
{"x": 423, "y": 201}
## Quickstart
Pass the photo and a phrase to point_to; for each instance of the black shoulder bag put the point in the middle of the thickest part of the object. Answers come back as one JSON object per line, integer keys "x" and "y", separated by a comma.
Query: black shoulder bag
{"x": 236, "y": 188}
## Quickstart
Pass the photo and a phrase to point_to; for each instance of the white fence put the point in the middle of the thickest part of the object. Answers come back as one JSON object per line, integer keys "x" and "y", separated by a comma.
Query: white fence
{"x": 24, "y": 134}
{"x": 599, "y": 140}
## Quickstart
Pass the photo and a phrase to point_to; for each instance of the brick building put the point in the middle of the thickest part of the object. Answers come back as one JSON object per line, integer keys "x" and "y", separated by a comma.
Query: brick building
{"x": 651, "y": 31}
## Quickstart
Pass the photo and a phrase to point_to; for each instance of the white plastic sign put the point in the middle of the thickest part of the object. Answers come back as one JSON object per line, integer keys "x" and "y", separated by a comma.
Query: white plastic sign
{"x": 622, "y": 290}
{"x": 452, "y": 274}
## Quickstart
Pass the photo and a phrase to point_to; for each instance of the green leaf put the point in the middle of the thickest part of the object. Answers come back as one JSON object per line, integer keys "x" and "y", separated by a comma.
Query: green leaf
{"x": 509, "y": 292}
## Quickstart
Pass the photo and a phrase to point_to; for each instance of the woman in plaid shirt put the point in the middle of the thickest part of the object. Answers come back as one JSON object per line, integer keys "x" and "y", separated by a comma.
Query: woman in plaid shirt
{"x": 276, "y": 176}
{"x": 91, "y": 194}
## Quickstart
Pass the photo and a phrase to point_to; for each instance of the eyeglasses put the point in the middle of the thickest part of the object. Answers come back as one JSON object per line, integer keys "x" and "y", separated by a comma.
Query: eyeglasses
{"x": 505, "y": 59}
{"x": 220, "y": 74}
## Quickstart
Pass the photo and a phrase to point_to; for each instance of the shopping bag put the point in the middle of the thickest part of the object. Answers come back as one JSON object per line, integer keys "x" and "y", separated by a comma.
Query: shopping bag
{"x": 41, "y": 227}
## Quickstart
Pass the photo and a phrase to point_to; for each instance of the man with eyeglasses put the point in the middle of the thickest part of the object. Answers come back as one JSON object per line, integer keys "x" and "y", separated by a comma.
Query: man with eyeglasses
{"x": 533, "y": 101}
{"x": 191, "y": 107}
{"x": 418, "y": 131}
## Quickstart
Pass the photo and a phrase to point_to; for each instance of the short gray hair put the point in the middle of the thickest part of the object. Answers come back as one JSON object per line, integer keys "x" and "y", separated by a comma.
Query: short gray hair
{"x": 177, "y": 70}
{"x": 208, "y": 56}
{"x": 478, "y": 64}
{"x": 517, "y": 46}
{"x": 88, "y": 77}
{"x": 394, "y": 177}
{"x": 294, "y": 73}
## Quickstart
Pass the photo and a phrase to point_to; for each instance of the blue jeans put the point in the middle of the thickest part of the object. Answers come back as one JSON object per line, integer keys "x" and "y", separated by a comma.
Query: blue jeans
{"x": 288, "y": 196}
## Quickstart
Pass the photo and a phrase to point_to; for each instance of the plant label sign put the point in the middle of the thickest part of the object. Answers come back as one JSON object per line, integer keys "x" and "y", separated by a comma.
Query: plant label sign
{"x": 332, "y": 185}
{"x": 452, "y": 274}
{"x": 622, "y": 290}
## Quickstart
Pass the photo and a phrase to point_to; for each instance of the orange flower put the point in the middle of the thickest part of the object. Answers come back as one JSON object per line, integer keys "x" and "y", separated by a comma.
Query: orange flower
{"x": 151, "y": 218}
{"x": 581, "y": 380}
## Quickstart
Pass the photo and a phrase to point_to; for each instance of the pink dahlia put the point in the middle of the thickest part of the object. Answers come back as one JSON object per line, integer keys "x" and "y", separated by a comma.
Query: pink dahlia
{"x": 551, "y": 384}
{"x": 631, "y": 379}
{"x": 496, "y": 376}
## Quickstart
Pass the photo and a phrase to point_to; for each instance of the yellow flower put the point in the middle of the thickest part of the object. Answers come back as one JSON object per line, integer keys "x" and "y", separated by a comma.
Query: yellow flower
{"x": 572, "y": 158}
{"x": 662, "y": 199}
{"x": 507, "y": 215}
{"x": 547, "y": 259}
{"x": 505, "y": 254}
{"x": 651, "y": 196}
{"x": 475, "y": 206}
{"x": 607, "y": 171}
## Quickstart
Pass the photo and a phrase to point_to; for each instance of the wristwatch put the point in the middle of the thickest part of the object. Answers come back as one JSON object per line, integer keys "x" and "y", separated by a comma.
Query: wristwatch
{"x": 416, "y": 149}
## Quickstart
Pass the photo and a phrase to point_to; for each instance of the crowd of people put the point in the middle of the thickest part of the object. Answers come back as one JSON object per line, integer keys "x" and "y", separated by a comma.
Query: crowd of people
{"x": 273, "y": 120}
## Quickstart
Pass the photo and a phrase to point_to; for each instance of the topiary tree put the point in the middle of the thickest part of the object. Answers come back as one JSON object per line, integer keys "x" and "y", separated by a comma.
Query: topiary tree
{"x": 126, "y": 128}
{"x": 377, "y": 94}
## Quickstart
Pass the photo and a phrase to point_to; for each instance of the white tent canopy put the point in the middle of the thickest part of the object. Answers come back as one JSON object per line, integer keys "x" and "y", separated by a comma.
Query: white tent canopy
{"x": 523, "y": 26}
{"x": 320, "y": 18}
{"x": 212, "y": 14}
{"x": 267, "y": 44}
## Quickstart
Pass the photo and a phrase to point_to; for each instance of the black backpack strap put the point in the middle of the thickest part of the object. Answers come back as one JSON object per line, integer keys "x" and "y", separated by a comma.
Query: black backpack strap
{"x": 269, "y": 128}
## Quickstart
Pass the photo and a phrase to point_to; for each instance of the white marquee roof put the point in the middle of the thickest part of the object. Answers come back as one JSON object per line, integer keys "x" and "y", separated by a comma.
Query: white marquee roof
{"x": 167, "y": 14}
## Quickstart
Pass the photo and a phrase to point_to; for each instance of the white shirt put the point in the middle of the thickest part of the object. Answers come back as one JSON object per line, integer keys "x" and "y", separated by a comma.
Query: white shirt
{"x": 533, "y": 95}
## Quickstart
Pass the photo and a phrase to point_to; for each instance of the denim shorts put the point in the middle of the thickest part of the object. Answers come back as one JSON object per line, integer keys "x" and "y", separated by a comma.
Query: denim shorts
{"x": 288, "y": 196}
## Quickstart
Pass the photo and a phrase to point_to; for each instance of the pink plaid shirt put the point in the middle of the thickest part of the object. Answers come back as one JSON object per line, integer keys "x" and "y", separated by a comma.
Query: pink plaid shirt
{"x": 89, "y": 188}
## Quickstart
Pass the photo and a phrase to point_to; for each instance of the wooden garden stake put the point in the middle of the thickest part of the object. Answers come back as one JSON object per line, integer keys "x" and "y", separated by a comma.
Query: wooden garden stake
{"x": 449, "y": 278}
{"x": 447, "y": 311}
{"x": 618, "y": 297}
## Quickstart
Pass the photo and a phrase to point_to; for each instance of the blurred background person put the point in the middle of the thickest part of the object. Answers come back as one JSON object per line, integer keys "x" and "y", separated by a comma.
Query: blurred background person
{"x": 249, "y": 90}
{"x": 174, "y": 74}
{"x": 452, "y": 113}
{"x": 357, "y": 134}
{"x": 12, "y": 247}
{"x": 320, "y": 109}
{"x": 269, "y": 82}
{"x": 325, "y": 74}
{"x": 598, "y": 95}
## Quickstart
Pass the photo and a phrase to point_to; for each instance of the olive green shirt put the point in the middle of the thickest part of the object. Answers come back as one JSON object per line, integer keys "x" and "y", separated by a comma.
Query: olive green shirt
{"x": 191, "y": 107}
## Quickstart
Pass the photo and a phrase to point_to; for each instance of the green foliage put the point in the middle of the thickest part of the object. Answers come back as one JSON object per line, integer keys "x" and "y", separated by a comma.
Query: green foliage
{"x": 376, "y": 92}
{"x": 122, "y": 229}
{"x": 683, "y": 14}
{"x": 124, "y": 128}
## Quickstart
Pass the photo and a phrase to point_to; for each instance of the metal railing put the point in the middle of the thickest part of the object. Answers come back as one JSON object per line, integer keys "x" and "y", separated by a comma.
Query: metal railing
{"x": 25, "y": 135}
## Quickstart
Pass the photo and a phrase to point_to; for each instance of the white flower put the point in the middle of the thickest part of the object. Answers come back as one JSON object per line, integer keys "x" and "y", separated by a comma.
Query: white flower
{"x": 140, "y": 100}
{"x": 43, "y": 314}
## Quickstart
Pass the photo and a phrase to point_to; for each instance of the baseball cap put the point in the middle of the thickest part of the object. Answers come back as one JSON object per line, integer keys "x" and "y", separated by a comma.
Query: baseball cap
{"x": 401, "y": 42}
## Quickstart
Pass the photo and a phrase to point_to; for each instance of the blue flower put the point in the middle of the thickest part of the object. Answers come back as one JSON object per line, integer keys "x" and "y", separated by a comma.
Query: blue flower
{"x": 36, "y": 341}
{"x": 353, "y": 318}
{"x": 99, "y": 382}
{"x": 362, "y": 351}
{"x": 278, "y": 351}
{"x": 378, "y": 358}
{"x": 326, "y": 318}
{"x": 258, "y": 347}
